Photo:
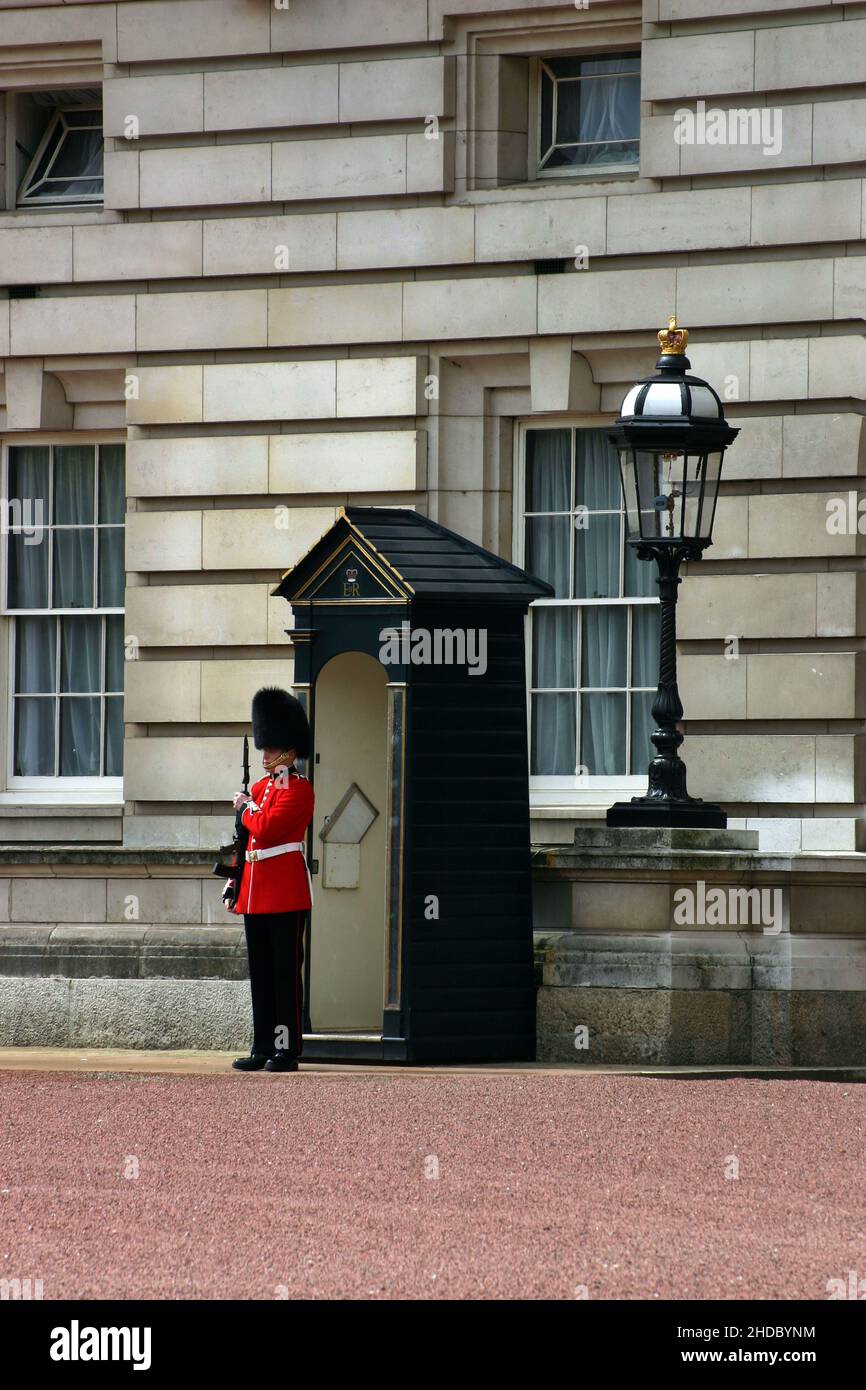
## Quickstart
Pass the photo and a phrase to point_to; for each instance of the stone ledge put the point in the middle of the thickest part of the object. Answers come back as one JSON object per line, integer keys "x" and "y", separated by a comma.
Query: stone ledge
{"x": 101, "y": 854}
{"x": 569, "y": 861}
{"x": 18, "y": 810}
{"x": 132, "y": 952}
{"x": 701, "y": 960}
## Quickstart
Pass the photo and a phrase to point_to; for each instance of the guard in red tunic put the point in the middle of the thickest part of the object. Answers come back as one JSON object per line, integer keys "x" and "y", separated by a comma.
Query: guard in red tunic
{"x": 275, "y": 893}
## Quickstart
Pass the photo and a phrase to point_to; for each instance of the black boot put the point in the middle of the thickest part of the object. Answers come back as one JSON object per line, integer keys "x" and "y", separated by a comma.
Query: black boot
{"x": 281, "y": 1061}
{"x": 255, "y": 1062}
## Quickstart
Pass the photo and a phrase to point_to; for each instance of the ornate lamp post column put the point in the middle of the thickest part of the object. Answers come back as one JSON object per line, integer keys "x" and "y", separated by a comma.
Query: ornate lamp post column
{"x": 671, "y": 435}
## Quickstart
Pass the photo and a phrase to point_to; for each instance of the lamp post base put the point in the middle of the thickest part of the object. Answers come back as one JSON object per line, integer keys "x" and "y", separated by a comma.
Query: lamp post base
{"x": 692, "y": 814}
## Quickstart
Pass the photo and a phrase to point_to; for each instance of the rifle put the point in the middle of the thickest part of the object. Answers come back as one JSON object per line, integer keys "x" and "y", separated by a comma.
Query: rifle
{"x": 236, "y": 851}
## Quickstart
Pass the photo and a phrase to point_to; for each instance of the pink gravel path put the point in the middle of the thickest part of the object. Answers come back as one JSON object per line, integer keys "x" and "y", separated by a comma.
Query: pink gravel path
{"x": 315, "y": 1186}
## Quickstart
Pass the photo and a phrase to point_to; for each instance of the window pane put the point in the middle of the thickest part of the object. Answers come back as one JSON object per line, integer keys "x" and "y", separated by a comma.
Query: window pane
{"x": 596, "y": 557}
{"x": 28, "y": 479}
{"x": 35, "y": 652}
{"x": 642, "y": 725}
{"x": 79, "y": 737}
{"x": 79, "y": 654}
{"x": 609, "y": 109}
{"x": 584, "y": 67}
{"x": 34, "y": 738}
{"x": 112, "y": 498}
{"x": 568, "y": 112}
{"x": 564, "y": 67}
{"x": 554, "y": 648}
{"x": 640, "y": 576}
{"x": 597, "y": 484}
{"x": 585, "y": 156}
{"x": 602, "y": 734}
{"x": 604, "y": 647}
{"x": 548, "y": 471}
{"x": 73, "y": 569}
{"x": 73, "y": 484}
{"x": 114, "y": 653}
{"x": 611, "y": 63}
{"x": 553, "y": 735}
{"x": 28, "y": 510}
{"x": 645, "y": 645}
{"x": 111, "y": 574}
{"x": 74, "y": 158}
{"x": 547, "y": 546}
{"x": 28, "y": 572}
{"x": 114, "y": 737}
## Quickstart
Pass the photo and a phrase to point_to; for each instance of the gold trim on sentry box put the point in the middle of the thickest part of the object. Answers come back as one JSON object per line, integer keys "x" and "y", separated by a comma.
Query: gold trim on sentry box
{"x": 371, "y": 561}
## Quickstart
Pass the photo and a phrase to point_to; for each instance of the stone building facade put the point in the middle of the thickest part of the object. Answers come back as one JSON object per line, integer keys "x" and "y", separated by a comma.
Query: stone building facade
{"x": 259, "y": 260}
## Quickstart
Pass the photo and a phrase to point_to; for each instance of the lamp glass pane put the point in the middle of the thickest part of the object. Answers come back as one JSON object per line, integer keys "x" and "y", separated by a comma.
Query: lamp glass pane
{"x": 628, "y": 474}
{"x": 713, "y": 467}
{"x": 653, "y": 493}
{"x": 704, "y": 403}
{"x": 663, "y": 398}
{"x": 693, "y": 494}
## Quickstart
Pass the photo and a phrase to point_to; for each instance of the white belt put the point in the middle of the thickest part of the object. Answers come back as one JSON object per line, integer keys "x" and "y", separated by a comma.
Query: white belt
{"x": 254, "y": 855}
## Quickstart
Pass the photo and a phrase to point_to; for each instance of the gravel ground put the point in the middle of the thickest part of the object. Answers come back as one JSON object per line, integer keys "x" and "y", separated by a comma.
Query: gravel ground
{"x": 505, "y": 1185}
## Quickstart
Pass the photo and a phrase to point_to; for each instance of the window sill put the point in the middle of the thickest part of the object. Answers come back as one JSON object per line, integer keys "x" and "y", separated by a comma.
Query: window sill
{"x": 49, "y": 217}
{"x": 39, "y": 804}
{"x": 608, "y": 185}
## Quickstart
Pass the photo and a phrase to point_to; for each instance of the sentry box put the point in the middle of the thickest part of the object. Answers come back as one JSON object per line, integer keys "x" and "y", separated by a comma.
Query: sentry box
{"x": 410, "y": 657}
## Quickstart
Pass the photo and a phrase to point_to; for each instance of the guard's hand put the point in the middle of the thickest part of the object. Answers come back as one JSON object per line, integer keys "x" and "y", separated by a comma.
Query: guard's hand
{"x": 241, "y": 799}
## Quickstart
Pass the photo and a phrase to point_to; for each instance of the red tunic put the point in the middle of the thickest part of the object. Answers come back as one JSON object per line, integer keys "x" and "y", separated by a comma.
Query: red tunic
{"x": 278, "y": 814}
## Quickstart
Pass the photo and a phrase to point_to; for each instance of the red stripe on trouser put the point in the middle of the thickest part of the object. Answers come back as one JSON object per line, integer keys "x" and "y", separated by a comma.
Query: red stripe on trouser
{"x": 298, "y": 982}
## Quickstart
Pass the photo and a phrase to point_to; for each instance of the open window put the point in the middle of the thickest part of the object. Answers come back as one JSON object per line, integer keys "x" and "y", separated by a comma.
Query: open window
{"x": 59, "y": 148}
{"x": 587, "y": 114}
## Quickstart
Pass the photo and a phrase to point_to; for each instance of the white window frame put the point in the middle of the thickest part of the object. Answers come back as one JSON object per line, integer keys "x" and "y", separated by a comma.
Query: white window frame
{"x": 539, "y": 174}
{"x": 45, "y": 791}
{"x": 578, "y": 792}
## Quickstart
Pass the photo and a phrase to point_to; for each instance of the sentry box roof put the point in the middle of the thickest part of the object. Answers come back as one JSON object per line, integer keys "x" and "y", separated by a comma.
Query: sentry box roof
{"x": 399, "y": 554}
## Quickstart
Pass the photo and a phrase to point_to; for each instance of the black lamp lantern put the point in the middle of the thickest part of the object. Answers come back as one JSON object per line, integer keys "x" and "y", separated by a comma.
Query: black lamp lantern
{"x": 671, "y": 435}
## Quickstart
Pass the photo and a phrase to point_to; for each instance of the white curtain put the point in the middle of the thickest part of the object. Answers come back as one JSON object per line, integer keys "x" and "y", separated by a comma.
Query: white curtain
{"x": 35, "y": 650}
{"x": 597, "y": 540}
{"x": 74, "y": 481}
{"x": 609, "y": 110}
{"x": 28, "y": 554}
{"x": 554, "y": 724}
{"x": 548, "y": 489}
{"x": 645, "y": 672}
{"x": 112, "y": 505}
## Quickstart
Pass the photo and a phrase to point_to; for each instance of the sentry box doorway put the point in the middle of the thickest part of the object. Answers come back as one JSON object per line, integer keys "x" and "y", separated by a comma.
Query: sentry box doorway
{"x": 410, "y": 657}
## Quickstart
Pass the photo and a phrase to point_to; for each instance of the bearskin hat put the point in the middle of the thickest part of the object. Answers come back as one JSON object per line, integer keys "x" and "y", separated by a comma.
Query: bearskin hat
{"x": 279, "y": 721}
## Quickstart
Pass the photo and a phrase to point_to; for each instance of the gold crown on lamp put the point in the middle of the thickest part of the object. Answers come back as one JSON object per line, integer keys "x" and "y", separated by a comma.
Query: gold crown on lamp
{"x": 673, "y": 340}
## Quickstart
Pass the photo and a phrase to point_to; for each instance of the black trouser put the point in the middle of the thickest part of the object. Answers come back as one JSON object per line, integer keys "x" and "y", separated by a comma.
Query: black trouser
{"x": 275, "y": 948}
